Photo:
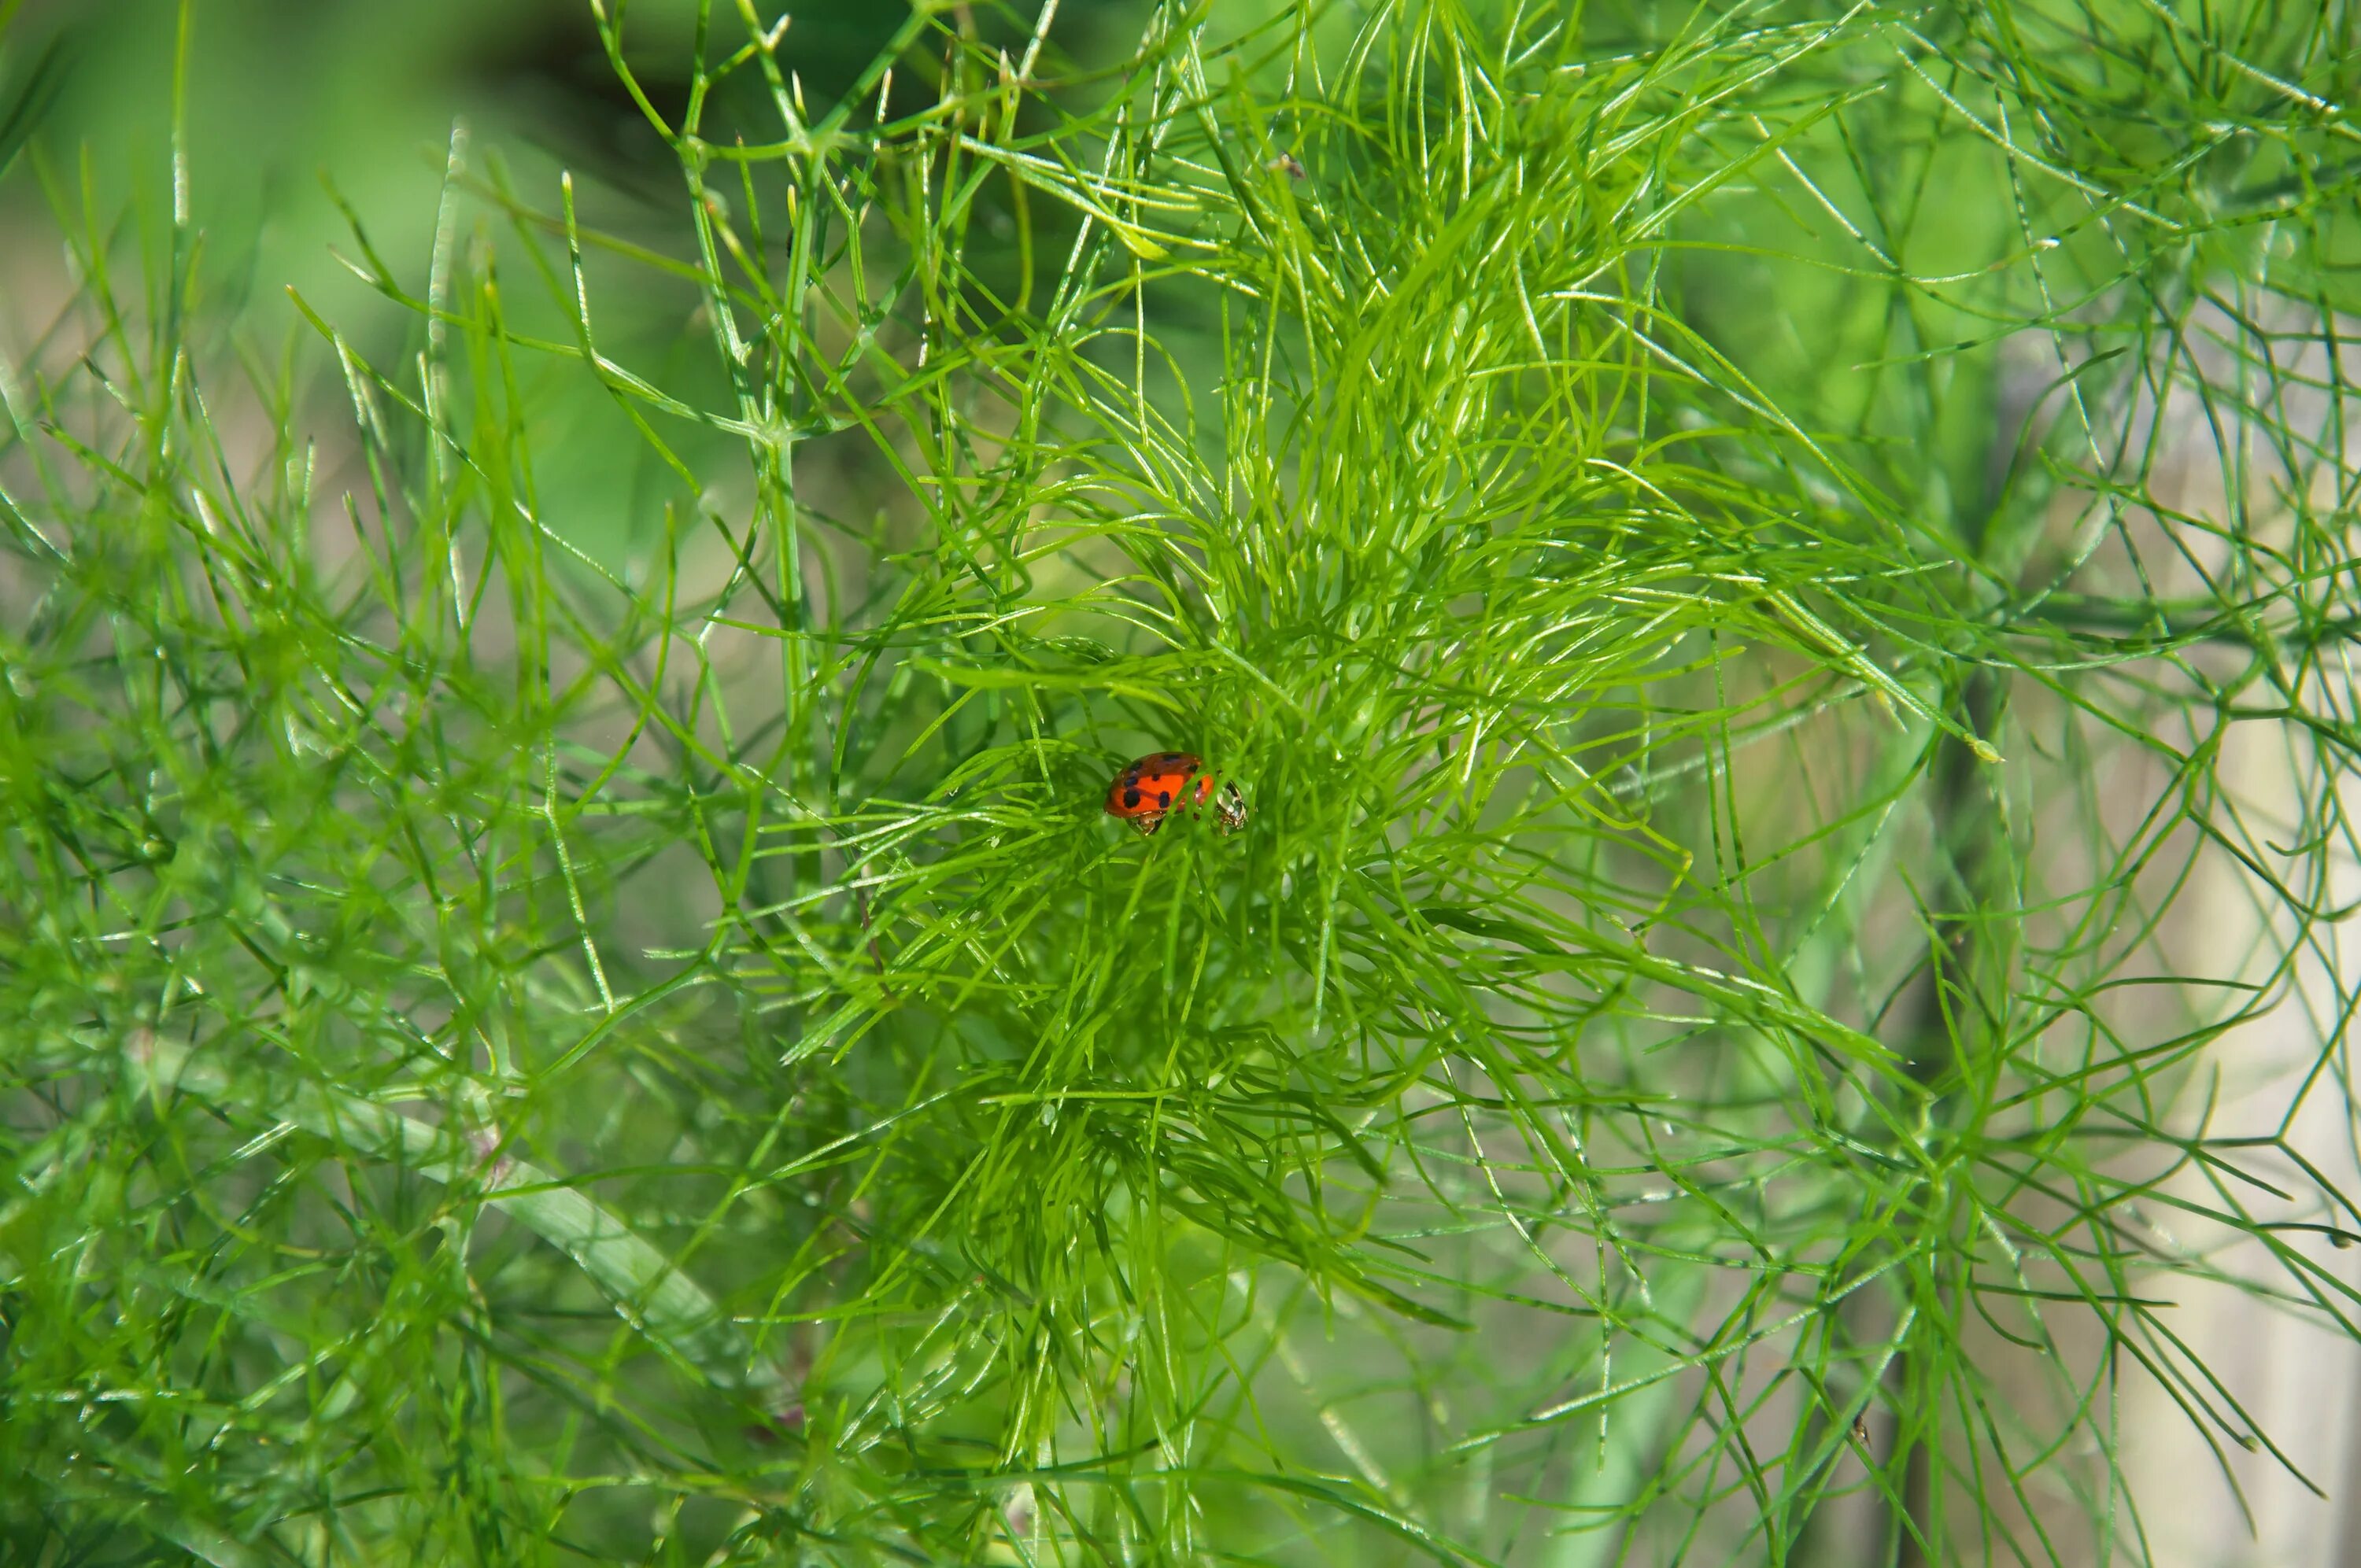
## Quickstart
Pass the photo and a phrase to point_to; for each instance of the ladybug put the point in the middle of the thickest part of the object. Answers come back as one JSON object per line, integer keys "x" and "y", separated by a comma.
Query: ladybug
{"x": 1164, "y": 781}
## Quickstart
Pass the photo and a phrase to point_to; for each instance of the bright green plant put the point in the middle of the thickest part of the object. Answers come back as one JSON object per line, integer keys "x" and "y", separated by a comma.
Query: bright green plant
{"x": 1757, "y": 569}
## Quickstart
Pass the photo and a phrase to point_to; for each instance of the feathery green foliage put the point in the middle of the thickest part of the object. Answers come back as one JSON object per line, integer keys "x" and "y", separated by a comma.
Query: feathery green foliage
{"x": 1777, "y": 581}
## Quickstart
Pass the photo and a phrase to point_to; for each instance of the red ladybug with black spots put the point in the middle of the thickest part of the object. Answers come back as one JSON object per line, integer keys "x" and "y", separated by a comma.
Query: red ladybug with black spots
{"x": 1156, "y": 785}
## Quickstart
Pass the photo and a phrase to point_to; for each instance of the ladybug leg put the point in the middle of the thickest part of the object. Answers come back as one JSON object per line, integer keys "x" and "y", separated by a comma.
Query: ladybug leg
{"x": 1148, "y": 825}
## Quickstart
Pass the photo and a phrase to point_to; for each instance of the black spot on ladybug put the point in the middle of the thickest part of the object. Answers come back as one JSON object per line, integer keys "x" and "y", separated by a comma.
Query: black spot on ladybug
{"x": 1164, "y": 797}
{"x": 1131, "y": 797}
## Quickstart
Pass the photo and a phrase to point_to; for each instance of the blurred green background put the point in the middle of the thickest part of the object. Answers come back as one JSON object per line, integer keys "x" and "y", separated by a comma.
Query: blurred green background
{"x": 295, "y": 106}
{"x": 282, "y": 92}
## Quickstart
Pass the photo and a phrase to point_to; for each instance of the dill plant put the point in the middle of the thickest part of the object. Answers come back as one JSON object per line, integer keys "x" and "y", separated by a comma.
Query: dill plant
{"x": 1776, "y": 580}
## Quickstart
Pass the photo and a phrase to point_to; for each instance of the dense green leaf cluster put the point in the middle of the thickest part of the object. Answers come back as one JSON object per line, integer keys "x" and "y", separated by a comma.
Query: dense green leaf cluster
{"x": 1776, "y": 582}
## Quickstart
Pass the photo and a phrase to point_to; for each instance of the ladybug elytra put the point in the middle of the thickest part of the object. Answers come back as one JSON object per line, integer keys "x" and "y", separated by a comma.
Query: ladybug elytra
{"x": 1164, "y": 781}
